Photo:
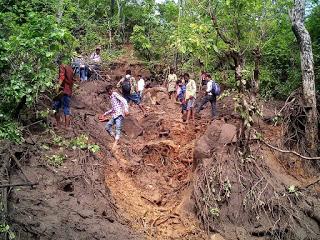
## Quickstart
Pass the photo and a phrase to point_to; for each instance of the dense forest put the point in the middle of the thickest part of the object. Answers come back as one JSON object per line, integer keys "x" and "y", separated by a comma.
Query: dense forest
{"x": 265, "y": 54}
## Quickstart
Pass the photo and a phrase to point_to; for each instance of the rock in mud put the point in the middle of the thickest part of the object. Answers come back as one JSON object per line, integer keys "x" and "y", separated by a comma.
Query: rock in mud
{"x": 216, "y": 236}
{"x": 155, "y": 95}
{"x": 131, "y": 127}
{"x": 204, "y": 146}
{"x": 228, "y": 134}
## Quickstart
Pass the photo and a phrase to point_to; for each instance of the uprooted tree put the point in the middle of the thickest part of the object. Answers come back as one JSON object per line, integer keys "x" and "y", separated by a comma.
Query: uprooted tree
{"x": 297, "y": 15}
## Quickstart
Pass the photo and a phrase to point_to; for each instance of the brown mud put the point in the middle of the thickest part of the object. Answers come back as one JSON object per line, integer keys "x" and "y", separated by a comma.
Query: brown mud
{"x": 152, "y": 185}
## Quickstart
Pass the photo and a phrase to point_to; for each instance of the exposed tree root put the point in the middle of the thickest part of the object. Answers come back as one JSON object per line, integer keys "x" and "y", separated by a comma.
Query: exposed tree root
{"x": 245, "y": 192}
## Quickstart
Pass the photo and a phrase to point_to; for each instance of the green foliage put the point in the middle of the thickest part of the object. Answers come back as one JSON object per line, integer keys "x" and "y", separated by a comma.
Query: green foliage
{"x": 294, "y": 190}
{"x": 82, "y": 142}
{"x": 44, "y": 113}
{"x": 30, "y": 41}
{"x": 9, "y": 130}
{"x": 215, "y": 212}
{"x": 34, "y": 32}
{"x": 94, "y": 148}
{"x": 79, "y": 142}
{"x": 140, "y": 42}
{"x": 56, "y": 160}
{"x": 5, "y": 228}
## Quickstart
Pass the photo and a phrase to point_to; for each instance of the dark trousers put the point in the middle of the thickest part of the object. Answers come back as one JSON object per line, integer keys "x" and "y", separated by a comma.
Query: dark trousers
{"x": 212, "y": 100}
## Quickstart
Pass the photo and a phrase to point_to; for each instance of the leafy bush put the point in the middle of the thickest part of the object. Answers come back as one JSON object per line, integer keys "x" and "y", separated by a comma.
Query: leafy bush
{"x": 29, "y": 44}
{"x": 141, "y": 42}
{"x": 56, "y": 160}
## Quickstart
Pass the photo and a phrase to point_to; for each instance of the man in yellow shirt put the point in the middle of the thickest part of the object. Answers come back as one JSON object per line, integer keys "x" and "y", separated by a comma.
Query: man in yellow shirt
{"x": 191, "y": 89}
{"x": 171, "y": 83}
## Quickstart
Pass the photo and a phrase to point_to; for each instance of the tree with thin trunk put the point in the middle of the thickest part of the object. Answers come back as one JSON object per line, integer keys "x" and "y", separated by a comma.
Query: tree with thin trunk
{"x": 297, "y": 15}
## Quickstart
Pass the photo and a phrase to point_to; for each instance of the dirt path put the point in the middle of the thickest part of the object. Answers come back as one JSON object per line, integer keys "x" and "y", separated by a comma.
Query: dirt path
{"x": 152, "y": 188}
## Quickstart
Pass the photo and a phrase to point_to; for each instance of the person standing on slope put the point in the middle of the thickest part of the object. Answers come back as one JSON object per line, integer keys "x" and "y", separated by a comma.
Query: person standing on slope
{"x": 190, "y": 96}
{"x": 129, "y": 90}
{"x": 141, "y": 85}
{"x": 171, "y": 83}
{"x": 64, "y": 92}
{"x": 119, "y": 109}
{"x": 211, "y": 96}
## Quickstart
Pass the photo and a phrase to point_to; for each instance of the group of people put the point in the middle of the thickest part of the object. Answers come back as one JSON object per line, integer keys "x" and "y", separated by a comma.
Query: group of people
{"x": 185, "y": 89}
{"x": 84, "y": 68}
{"x": 132, "y": 91}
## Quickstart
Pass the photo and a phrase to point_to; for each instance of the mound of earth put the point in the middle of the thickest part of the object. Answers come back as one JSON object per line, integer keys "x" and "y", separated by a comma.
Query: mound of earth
{"x": 251, "y": 196}
{"x": 70, "y": 201}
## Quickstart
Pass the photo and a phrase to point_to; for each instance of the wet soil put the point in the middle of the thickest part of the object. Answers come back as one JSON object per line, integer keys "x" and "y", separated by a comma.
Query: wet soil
{"x": 144, "y": 188}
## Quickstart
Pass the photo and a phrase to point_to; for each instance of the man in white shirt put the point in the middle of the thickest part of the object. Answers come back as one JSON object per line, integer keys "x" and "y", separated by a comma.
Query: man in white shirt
{"x": 95, "y": 63}
{"x": 95, "y": 57}
{"x": 209, "y": 97}
{"x": 141, "y": 85}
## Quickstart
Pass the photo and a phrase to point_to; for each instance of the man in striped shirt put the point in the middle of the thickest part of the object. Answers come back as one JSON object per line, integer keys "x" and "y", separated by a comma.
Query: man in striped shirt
{"x": 119, "y": 108}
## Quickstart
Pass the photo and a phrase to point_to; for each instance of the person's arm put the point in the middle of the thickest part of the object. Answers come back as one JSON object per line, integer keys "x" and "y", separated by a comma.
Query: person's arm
{"x": 194, "y": 88}
{"x": 102, "y": 117}
{"x": 62, "y": 75}
{"x": 108, "y": 112}
{"x": 134, "y": 84}
{"x": 123, "y": 102}
{"x": 119, "y": 83}
{"x": 209, "y": 87}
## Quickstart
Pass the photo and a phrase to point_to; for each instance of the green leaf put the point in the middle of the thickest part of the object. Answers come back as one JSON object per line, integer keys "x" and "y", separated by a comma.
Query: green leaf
{"x": 215, "y": 49}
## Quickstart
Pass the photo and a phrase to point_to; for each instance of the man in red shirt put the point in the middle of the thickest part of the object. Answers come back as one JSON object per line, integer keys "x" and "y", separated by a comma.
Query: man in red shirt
{"x": 62, "y": 100}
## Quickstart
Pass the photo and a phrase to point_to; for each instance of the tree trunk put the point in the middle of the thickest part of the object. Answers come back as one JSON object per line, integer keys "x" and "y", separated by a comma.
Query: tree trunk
{"x": 244, "y": 131}
{"x": 238, "y": 63}
{"x": 112, "y": 7}
{"x": 297, "y": 19}
{"x": 60, "y": 11}
{"x": 256, "y": 72}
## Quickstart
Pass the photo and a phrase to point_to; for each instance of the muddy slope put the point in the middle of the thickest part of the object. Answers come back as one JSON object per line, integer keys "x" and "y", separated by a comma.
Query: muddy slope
{"x": 70, "y": 202}
{"x": 149, "y": 188}
{"x": 253, "y": 196}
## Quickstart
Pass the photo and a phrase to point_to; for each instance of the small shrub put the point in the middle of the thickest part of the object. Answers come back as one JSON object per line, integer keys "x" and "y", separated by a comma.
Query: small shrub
{"x": 56, "y": 160}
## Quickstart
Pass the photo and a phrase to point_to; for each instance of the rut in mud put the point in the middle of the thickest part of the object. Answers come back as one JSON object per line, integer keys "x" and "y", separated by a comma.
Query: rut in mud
{"x": 150, "y": 173}
{"x": 142, "y": 190}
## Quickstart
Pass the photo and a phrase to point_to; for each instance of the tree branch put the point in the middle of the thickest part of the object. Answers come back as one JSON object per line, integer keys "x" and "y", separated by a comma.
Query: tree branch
{"x": 288, "y": 151}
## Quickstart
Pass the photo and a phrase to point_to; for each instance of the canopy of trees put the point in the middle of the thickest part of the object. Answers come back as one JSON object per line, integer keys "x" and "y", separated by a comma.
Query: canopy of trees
{"x": 190, "y": 35}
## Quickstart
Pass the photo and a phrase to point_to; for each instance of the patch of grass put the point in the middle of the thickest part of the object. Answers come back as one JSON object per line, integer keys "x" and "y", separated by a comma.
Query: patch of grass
{"x": 79, "y": 142}
{"x": 56, "y": 160}
{"x": 82, "y": 142}
{"x": 215, "y": 212}
{"x": 5, "y": 228}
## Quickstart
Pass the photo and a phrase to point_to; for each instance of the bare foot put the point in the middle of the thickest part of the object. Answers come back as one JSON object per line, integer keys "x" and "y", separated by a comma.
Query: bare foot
{"x": 68, "y": 128}
{"x": 115, "y": 145}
